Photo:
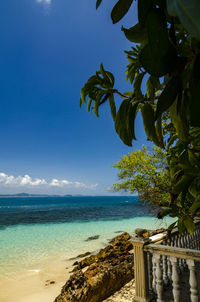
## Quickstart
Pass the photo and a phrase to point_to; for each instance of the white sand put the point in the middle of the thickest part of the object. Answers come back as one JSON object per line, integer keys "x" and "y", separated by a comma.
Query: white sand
{"x": 34, "y": 285}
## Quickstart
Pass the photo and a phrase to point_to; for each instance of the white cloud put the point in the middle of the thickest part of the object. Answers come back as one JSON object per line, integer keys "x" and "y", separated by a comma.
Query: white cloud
{"x": 64, "y": 182}
{"x": 44, "y": 1}
{"x": 27, "y": 181}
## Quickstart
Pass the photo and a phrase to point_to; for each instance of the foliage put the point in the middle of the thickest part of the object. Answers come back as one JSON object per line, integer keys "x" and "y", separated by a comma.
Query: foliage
{"x": 145, "y": 173}
{"x": 166, "y": 59}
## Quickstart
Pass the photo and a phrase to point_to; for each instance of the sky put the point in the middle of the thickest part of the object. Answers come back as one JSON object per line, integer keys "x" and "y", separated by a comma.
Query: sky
{"x": 48, "y": 50}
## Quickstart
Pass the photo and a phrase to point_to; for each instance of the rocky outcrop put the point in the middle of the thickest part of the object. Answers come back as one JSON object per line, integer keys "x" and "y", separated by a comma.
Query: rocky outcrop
{"x": 143, "y": 233}
{"x": 106, "y": 273}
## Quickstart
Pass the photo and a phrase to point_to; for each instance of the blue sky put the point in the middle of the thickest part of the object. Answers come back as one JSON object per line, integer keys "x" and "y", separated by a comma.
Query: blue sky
{"x": 48, "y": 49}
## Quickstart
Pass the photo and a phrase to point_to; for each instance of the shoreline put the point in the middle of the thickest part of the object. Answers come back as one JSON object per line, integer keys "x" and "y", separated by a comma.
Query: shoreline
{"x": 57, "y": 244}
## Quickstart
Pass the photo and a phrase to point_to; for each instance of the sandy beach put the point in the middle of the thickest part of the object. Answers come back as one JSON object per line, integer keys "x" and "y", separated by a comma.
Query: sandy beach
{"x": 41, "y": 285}
{"x": 45, "y": 285}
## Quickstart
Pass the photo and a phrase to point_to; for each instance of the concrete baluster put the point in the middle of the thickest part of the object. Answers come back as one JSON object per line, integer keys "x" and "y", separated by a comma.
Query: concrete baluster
{"x": 175, "y": 279}
{"x": 169, "y": 269}
{"x": 154, "y": 273}
{"x": 159, "y": 278}
{"x": 165, "y": 270}
{"x": 193, "y": 281}
{"x": 150, "y": 272}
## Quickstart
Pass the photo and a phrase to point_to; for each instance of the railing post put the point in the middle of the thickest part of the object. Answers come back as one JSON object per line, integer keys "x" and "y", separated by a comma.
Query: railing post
{"x": 193, "y": 281}
{"x": 175, "y": 279}
{"x": 141, "y": 271}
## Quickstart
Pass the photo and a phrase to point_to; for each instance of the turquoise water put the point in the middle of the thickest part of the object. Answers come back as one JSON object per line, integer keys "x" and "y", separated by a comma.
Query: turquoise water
{"x": 24, "y": 246}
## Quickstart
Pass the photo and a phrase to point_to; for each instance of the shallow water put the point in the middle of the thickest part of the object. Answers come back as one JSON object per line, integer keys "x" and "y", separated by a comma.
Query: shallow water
{"x": 62, "y": 226}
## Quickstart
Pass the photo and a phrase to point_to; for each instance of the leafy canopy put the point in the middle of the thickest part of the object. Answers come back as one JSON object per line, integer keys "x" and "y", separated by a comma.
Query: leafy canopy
{"x": 145, "y": 173}
{"x": 166, "y": 57}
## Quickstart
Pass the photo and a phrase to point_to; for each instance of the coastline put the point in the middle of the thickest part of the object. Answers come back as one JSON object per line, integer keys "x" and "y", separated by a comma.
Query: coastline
{"x": 33, "y": 289}
{"x": 31, "y": 254}
{"x": 29, "y": 283}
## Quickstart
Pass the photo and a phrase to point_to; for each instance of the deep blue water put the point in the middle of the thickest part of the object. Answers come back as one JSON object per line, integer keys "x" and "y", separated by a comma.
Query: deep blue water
{"x": 29, "y": 210}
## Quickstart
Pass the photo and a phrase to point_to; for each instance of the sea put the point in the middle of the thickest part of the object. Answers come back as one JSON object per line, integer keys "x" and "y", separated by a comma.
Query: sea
{"x": 35, "y": 229}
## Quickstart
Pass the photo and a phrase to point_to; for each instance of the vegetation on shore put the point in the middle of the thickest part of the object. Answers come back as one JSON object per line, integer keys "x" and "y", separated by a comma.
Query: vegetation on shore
{"x": 144, "y": 172}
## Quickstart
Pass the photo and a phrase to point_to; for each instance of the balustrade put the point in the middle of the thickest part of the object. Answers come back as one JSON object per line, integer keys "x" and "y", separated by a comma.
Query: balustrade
{"x": 167, "y": 259}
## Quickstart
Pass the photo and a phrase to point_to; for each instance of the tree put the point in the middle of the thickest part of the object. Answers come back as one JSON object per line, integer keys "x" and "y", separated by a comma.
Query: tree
{"x": 166, "y": 56}
{"x": 145, "y": 173}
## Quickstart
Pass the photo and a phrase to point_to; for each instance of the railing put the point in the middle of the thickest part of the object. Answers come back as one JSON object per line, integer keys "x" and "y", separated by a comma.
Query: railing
{"x": 162, "y": 262}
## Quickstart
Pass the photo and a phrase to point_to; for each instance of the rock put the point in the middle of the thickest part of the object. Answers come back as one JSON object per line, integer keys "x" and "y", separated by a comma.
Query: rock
{"x": 123, "y": 237}
{"x": 48, "y": 282}
{"x": 76, "y": 263}
{"x": 148, "y": 233}
{"x": 140, "y": 232}
{"x": 95, "y": 237}
{"x": 98, "y": 282}
{"x": 106, "y": 273}
{"x": 81, "y": 256}
{"x": 118, "y": 245}
{"x": 85, "y": 262}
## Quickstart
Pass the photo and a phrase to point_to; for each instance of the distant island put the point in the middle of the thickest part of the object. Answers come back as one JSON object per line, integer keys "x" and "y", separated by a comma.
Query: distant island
{"x": 33, "y": 195}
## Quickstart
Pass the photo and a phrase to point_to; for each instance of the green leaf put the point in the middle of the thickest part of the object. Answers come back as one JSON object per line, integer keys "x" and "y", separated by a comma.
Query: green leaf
{"x": 179, "y": 120}
{"x": 195, "y": 107}
{"x": 83, "y": 95}
{"x": 181, "y": 226}
{"x": 148, "y": 122}
{"x": 171, "y": 7}
{"x": 189, "y": 224}
{"x": 120, "y": 9}
{"x": 188, "y": 13}
{"x": 195, "y": 206}
{"x": 170, "y": 228}
{"x": 133, "y": 113}
{"x": 136, "y": 34}
{"x": 194, "y": 189}
{"x": 182, "y": 183}
{"x": 159, "y": 132}
{"x": 111, "y": 77}
{"x": 156, "y": 67}
{"x": 144, "y": 6}
{"x": 153, "y": 86}
{"x": 168, "y": 95}
{"x": 194, "y": 160}
{"x": 98, "y": 3}
{"x": 89, "y": 104}
{"x": 105, "y": 76}
{"x": 124, "y": 121}
{"x": 184, "y": 161}
{"x": 137, "y": 85}
{"x": 157, "y": 55}
{"x": 171, "y": 140}
{"x": 129, "y": 93}
{"x": 121, "y": 125}
{"x": 112, "y": 106}
{"x": 96, "y": 108}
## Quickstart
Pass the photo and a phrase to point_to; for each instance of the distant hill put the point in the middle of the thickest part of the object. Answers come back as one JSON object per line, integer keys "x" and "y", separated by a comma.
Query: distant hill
{"x": 33, "y": 195}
